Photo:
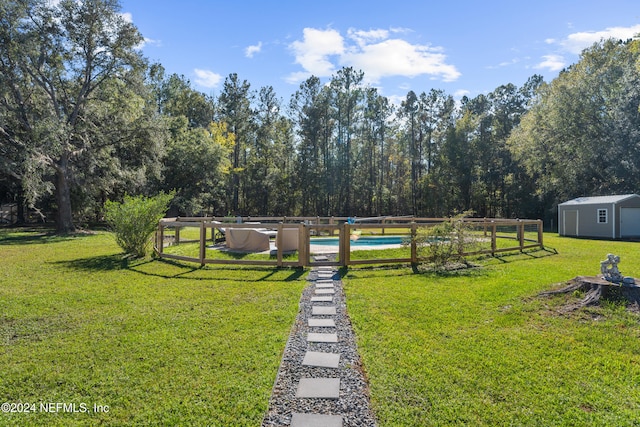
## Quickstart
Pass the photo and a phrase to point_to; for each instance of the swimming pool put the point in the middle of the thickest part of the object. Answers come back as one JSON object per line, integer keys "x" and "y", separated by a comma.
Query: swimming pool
{"x": 361, "y": 241}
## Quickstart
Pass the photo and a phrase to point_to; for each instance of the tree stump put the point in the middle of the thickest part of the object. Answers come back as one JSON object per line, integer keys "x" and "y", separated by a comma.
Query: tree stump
{"x": 596, "y": 288}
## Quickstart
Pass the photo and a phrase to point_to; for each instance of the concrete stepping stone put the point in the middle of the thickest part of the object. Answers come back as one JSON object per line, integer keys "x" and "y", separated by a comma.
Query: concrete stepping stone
{"x": 321, "y": 258}
{"x": 321, "y": 337}
{"x": 321, "y": 360}
{"x": 325, "y": 285}
{"x": 322, "y": 323}
{"x": 319, "y": 388}
{"x": 322, "y": 299}
{"x": 315, "y": 420}
{"x": 323, "y": 311}
{"x": 324, "y": 291}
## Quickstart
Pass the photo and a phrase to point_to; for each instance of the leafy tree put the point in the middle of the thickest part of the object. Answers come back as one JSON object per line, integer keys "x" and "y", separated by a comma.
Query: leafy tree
{"x": 61, "y": 65}
{"x": 176, "y": 98}
{"x": 307, "y": 112}
{"x": 236, "y": 112}
{"x": 437, "y": 116}
{"x": 196, "y": 166}
{"x": 410, "y": 113}
{"x": 347, "y": 89}
{"x": 373, "y": 153}
{"x": 582, "y": 135}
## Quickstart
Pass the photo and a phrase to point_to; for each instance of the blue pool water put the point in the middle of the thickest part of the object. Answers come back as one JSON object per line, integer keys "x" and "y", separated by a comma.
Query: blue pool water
{"x": 362, "y": 241}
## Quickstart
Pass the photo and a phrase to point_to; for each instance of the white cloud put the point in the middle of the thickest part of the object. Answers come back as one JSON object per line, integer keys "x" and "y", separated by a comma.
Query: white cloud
{"x": 396, "y": 57}
{"x": 252, "y": 50}
{"x": 365, "y": 37}
{"x": 207, "y": 78}
{"x": 372, "y": 51}
{"x": 552, "y": 63}
{"x": 314, "y": 51}
{"x": 575, "y": 43}
{"x": 401, "y": 30}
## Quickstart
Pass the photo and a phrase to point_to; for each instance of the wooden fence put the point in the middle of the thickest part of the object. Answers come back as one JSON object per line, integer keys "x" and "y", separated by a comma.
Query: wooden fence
{"x": 523, "y": 234}
{"x": 8, "y": 214}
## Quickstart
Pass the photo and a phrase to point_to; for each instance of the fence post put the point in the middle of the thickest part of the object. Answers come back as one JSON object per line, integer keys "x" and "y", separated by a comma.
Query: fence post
{"x": 176, "y": 238}
{"x": 347, "y": 244}
{"x": 303, "y": 245}
{"x": 279, "y": 233}
{"x": 160, "y": 239}
{"x": 414, "y": 248}
{"x": 521, "y": 234}
{"x": 203, "y": 243}
{"x": 540, "y": 234}
{"x": 494, "y": 238}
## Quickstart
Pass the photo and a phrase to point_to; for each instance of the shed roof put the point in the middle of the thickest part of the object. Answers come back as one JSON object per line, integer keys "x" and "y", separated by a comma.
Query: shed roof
{"x": 599, "y": 200}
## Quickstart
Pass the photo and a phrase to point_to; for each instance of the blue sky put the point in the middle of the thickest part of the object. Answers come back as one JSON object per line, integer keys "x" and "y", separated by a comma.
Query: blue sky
{"x": 463, "y": 47}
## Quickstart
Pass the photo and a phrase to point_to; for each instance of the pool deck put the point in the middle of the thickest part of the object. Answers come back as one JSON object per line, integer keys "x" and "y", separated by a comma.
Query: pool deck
{"x": 314, "y": 249}
{"x": 333, "y": 249}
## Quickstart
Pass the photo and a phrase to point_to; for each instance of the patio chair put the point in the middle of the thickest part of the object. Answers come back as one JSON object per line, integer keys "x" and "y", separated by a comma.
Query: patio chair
{"x": 219, "y": 234}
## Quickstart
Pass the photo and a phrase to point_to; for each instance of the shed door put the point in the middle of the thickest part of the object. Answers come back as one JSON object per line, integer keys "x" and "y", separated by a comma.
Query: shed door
{"x": 629, "y": 222}
{"x": 570, "y": 223}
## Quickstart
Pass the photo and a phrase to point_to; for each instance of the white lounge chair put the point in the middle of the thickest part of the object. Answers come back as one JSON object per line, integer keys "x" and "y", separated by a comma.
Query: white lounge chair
{"x": 221, "y": 232}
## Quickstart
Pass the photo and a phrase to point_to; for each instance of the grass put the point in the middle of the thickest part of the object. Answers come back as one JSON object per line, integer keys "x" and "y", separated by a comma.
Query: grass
{"x": 159, "y": 343}
{"x": 479, "y": 348}
{"x": 192, "y": 249}
{"x": 164, "y": 343}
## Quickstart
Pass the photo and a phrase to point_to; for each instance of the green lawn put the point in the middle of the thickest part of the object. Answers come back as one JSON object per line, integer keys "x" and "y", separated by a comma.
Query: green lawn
{"x": 163, "y": 343}
{"x": 159, "y": 343}
{"x": 479, "y": 348}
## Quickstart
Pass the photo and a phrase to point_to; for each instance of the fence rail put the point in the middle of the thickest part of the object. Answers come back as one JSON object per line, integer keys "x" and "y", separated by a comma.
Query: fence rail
{"x": 524, "y": 234}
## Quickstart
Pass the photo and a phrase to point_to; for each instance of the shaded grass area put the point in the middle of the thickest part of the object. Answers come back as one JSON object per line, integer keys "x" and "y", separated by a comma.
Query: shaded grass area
{"x": 192, "y": 249}
{"x": 478, "y": 347}
{"x": 159, "y": 343}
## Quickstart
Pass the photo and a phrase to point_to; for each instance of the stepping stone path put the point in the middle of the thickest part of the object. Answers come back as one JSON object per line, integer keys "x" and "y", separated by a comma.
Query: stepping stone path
{"x": 320, "y": 381}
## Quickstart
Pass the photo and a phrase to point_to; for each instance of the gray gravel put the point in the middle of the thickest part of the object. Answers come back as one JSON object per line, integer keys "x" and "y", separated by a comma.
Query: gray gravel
{"x": 353, "y": 403}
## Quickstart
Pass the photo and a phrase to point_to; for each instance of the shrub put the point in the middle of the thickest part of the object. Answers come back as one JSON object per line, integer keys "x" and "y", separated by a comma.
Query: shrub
{"x": 135, "y": 219}
{"x": 447, "y": 242}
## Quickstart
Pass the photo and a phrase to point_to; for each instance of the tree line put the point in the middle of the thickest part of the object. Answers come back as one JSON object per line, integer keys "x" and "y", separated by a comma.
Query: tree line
{"x": 85, "y": 119}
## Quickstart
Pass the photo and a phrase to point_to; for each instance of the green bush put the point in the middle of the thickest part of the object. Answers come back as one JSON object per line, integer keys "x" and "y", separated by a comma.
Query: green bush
{"x": 135, "y": 219}
{"x": 447, "y": 242}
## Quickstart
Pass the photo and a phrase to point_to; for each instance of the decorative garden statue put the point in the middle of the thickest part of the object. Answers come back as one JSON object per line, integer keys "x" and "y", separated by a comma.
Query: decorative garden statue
{"x": 609, "y": 268}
